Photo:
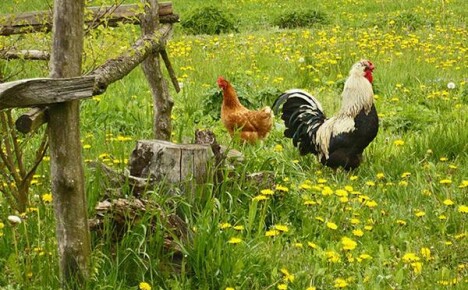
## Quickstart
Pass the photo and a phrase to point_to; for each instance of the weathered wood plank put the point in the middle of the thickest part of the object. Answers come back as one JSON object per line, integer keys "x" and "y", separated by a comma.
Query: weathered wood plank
{"x": 117, "y": 68}
{"x": 110, "y": 16}
{"x": 66, "y": 161}
{"x": 44, "y": 91}
{"x": 32, "y": 120}
{"x": 25, "y": 54}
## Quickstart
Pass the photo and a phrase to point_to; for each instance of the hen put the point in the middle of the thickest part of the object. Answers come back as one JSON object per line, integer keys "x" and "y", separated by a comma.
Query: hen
{"x": 340, "y": 140}
{"x": 250, "y": 125}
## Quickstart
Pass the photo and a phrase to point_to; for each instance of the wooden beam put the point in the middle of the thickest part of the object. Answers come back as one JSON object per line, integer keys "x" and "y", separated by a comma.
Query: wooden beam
{"x": 66, "y": 162}
{"x": 44, "y": 91}
{"x": 117, "y": 68}
{"x": 25, "y": 54}
{"x": 110, "y": 16}
{"x": 151, "y": 65}
{"x": 32, "y": 120}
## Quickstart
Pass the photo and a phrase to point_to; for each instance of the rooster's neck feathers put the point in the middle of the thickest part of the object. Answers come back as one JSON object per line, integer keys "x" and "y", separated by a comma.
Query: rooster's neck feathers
{"x": 357, "y": 95}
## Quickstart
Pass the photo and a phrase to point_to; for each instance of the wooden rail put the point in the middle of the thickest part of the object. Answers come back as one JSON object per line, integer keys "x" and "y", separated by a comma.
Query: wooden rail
{"x": 110, "y": 16}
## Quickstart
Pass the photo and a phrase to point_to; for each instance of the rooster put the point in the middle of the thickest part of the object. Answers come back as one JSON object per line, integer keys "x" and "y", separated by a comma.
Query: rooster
{"x": 250, "y": 125}
{"x": 340, "y": 140}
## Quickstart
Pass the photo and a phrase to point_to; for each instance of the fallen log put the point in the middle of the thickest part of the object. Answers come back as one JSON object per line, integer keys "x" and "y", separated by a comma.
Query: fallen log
{"x": 109, "y": 16}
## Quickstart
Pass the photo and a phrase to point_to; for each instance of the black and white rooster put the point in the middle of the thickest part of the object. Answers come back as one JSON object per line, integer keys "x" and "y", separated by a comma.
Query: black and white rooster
{"x": 340, "y": 140}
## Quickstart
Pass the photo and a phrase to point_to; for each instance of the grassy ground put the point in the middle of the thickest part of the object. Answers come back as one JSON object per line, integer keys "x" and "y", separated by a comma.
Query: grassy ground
{"x": 397, "y": 222}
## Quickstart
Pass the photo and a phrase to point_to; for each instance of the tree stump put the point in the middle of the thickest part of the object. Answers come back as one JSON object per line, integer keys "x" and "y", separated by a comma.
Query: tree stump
{"x": 165, "y": 161}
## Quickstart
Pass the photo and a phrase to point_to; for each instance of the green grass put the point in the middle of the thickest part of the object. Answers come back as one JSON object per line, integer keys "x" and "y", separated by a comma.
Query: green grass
{"x": 406, "y": 200}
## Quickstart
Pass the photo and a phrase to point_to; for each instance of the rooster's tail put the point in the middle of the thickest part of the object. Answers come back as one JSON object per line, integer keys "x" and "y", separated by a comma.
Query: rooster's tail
{"x": 303, "y": 115}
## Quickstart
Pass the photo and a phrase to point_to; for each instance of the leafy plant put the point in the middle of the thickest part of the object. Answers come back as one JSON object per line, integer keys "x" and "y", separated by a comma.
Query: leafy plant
{"x": 295, "y": 19}
{"x": 209, "y": 20}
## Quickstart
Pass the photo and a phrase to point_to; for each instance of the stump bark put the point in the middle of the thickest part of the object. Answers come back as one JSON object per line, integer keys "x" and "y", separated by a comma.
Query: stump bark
{"x": 165, "y": 161}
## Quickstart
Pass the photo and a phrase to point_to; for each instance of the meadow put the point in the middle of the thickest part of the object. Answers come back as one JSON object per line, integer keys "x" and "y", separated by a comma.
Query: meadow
{"x": 396, "y": 222}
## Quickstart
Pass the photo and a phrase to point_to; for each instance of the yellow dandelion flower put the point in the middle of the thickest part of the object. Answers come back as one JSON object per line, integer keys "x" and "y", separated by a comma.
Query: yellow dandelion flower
{"x": 370, "y": 183}
{"x": 463, "y": 209}
{"x": 298, "y": 245}
{"x": 333, "y": 256}
{"x": 282, "y": 188}
{"x": 405, "y": 174}
{"x": 358, "y": 233}
{"x": 144, "y": 286}
{"x": 370, "y": 203}
{"x": 47, "y": 197}
{"x": 310, "y": 202}
{"x": 353, "y": 177}
{"x": 239, "y": 228}
{"x": 426, "y": 253}
{"x": 355, "y": 221}
{"x": 368, "y": 228}
{"x": 327, "y": 191}
{"x": 86, "y": 146}
{"x": 399, "y": 142}
{"x": 448, "y": 202}
{"x": 234, "y": 240}
{"x": 349, "y": 188}
{"x": 348, "y": 244}
{"x": 332, "y": 225}
{"x": 311, "y": 288}
{"x": 2, "y": 225}
{"x": 443, "y": 159}
{"x": 380, "y": 175}
{"x": 225, "y": 226}
{"x": 365, "y": 257}
{"x": 282, "y": 286}
{"x": 442, "y": 217}
{"x": 410, "y": 257}
{"x": 463, "y": 184}
{"x": 267, "y": 192}
{"x": 417, "y": 267}
{"x": 319, "y": 218}
{"x": 312, "y": 245}
{"x": 321, "y": 181}
{"x": 340, "y": 283}
{"x": 272, "y": 233}
{"x": 305, "y": 186}
{"x": 445, "y": 181}
{"x": 260, "y": 197}
{"x": 420, "y": 213}
{"x": 401, "y": 222}
{"x": 281, "y": 228}
{"x": 288, "y": 277}
{"x": 230, "y": 288}
{"x": 278, "y": 148}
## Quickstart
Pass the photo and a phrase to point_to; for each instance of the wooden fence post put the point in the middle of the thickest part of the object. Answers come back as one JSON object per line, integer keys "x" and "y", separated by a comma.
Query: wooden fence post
{"x": 65, "y": 148}
{"x": 162, "y": 101}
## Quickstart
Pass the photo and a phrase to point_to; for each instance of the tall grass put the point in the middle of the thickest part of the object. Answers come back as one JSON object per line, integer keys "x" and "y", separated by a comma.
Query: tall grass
{"x": 405, "y": 207}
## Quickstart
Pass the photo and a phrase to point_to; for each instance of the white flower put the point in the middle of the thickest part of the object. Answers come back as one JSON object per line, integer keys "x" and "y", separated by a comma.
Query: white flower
{"x": 451, "y": 85}
{"x": 301, "y": 60}
{"x": 14, "y": 219}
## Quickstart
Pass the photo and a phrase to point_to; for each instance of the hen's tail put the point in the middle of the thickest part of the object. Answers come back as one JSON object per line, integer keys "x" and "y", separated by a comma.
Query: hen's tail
{"x": 303, "y": 115}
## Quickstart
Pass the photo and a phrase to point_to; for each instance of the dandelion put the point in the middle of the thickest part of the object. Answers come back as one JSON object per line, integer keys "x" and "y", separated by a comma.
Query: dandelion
{"x": 144, "y": 286}
{"x": 370, "y": 203}
{"x": 410, "y": 257}
{"x": 333, "y": 256}
{"x": 260, "y": 197}
{"x": 332, "y": 225}
{"x": 417, "y": 267}
{"x": 340, "y": 283}
{"x": 311, "y": 288}
{"x": 370, "y": 183}
{"x": 272, "y": 233}
{"x": 14, "y": 220}
{"x": 448, "y": 202}
{"x": 225, "y": 226}
{"x": 463, "y": 184}
{"x": 443, "y": 159}
{"x": 288, "y": 277}
{"x": 267, "y": 192}
{"x": 278, "y": 148}
{"x": 420, "y": 213}
{"x": 312, "y": 245}
{"x": 348, "y": 244}
{"x": 239, "y": 228}
{"x": 380, "y": 175}
{"x": 281, "y": 228}
{"x": 282, "y": 286}
{"x": 426, "y": 253}
{"x": 451, "y": 85}
{"x": 463, "y": 209}
{"x": 405, "y": 174}
{"x": 399, "y": 142}
{"x": 234, "y": 241}
{"x": 321, "y": 181}
{"x": 445, "y": 181}
{"x": 86, "y": 146}
{"x": 401, "y": 222}
{"x": 358, "y": 233}
{"x": 363, "y": 257}
{"x": 47, "y": 197}
{"x": 327, "y": 191}
{"x": 282, "y": 188}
